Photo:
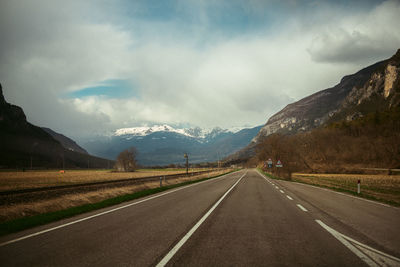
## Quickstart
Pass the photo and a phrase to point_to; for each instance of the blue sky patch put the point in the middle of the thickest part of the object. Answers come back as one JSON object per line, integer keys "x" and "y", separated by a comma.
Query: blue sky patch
{"x": 108, "y": 88}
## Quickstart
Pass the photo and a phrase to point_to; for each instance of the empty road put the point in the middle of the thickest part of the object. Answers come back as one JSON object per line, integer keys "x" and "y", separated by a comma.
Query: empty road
{"x": 240, "y": 219}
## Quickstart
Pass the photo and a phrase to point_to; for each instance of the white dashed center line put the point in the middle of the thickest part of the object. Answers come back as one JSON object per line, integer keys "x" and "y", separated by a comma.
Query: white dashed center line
{"x": 301, "y": 207}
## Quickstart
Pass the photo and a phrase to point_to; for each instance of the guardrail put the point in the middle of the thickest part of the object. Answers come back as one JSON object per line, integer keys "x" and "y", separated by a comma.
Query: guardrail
{"x": 388, "y": 171}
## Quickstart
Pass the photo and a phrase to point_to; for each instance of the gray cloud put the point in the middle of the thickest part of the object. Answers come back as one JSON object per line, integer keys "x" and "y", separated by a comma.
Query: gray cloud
{"x": 203, "y": 77}
{"x": 361, "y": 38}
{"x": 48, "y": 50}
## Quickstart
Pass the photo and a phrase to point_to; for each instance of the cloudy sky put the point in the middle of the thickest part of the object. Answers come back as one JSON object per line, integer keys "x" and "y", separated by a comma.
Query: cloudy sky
{"x": 84, "y": 67}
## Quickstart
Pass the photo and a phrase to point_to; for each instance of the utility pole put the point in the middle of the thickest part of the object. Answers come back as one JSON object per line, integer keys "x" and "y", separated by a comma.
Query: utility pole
{"x": 63, "y": 161}
{"x": 187, "y": 163}
{"x": 32, "y": 148}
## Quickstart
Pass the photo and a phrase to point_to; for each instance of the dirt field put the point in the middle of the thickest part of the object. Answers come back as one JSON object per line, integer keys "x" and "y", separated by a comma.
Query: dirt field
{"x": 34, "y": 179}
{"x": 14, "y": 211}
{"x": 385, "y": 188}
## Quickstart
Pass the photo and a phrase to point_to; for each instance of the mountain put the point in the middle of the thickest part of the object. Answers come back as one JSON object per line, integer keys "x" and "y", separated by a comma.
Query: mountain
{"x": 373, "y": 89}
{"x": 163, "y": 144}
{"x": 65, "y": 141}
{"x": 24, "y": 145}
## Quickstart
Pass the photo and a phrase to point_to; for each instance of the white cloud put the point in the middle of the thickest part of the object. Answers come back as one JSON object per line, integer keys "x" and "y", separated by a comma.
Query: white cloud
{"x": 200, "y": 78}
{"x": 48, "y": 51}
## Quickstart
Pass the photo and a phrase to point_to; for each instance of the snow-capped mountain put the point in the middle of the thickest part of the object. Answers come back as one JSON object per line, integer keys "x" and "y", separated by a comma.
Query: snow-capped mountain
{"x": 143, "y": 131}
{"x": 164, "y": 144}
{"x": 195, "y": 132}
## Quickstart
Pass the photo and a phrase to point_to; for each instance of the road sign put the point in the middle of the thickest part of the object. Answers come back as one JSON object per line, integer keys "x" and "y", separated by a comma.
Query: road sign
{"x": 279, "y": 164}
{"x": 269, "y": 162}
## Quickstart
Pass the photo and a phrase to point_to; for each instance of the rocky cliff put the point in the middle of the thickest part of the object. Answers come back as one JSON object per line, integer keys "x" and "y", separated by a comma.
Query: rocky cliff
{"x": 13, "y": 122}
{"x": 66, "y": 142}
{"x": 24, "y": 145}
{"x": 374, "y": 88}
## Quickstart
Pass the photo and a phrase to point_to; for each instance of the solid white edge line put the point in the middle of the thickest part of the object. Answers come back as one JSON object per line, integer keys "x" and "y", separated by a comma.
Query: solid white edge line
{"x": 342, "y": 238}
{"x": 289, "y": 197}
{"x": 365, "y": 246}
{"x": 103, "y": 213}
{"x": 361, "y": 255}
{"x": 270, "y": 182}
{"x": 267, "y": 179}
{"x": 301, "y": 207}
{"x": 175, "y": 249}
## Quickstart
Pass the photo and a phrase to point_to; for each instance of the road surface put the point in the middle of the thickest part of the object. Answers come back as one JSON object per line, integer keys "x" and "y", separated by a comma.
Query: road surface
{"x": 240, "y": 219}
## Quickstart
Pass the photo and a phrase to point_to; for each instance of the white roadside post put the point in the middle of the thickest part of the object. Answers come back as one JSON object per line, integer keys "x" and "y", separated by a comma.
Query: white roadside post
{"x": 358, "y": 186}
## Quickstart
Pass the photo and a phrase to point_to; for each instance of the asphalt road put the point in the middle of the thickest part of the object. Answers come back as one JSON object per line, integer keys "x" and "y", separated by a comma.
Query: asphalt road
{"x": 241, "y": 219}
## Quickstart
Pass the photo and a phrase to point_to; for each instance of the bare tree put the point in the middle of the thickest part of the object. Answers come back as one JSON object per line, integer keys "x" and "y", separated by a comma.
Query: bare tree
{"x": 126, "y": 160}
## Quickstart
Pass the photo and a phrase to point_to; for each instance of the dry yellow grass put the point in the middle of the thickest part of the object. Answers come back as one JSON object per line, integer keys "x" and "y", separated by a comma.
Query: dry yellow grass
{"x": 34, "y": 179}
{"x": 381, "y": 187}
{"x": 10, "y": 212}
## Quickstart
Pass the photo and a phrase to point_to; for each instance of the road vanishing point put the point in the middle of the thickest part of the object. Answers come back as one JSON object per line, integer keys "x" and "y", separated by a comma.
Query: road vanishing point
{"x": 239, "y": 219}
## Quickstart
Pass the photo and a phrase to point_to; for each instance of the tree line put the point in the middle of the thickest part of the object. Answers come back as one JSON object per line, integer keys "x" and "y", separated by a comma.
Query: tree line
{"x": 371, "y": 141}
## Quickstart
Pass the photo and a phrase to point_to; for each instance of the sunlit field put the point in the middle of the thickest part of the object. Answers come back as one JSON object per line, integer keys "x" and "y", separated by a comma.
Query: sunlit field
{"x": 377, "y": 186}
{"x": 34, "y": 207}
{"x": 34, "y": 179}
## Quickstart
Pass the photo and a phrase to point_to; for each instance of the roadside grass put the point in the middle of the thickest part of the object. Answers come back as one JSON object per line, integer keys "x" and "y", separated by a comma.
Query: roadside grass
{"x": 20, "y": 224}
{"x": 13, "y": 180}
{"x": 382, "y": 188}
{"x": 175, "y": 169}
{"x": 269, "y": 174}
